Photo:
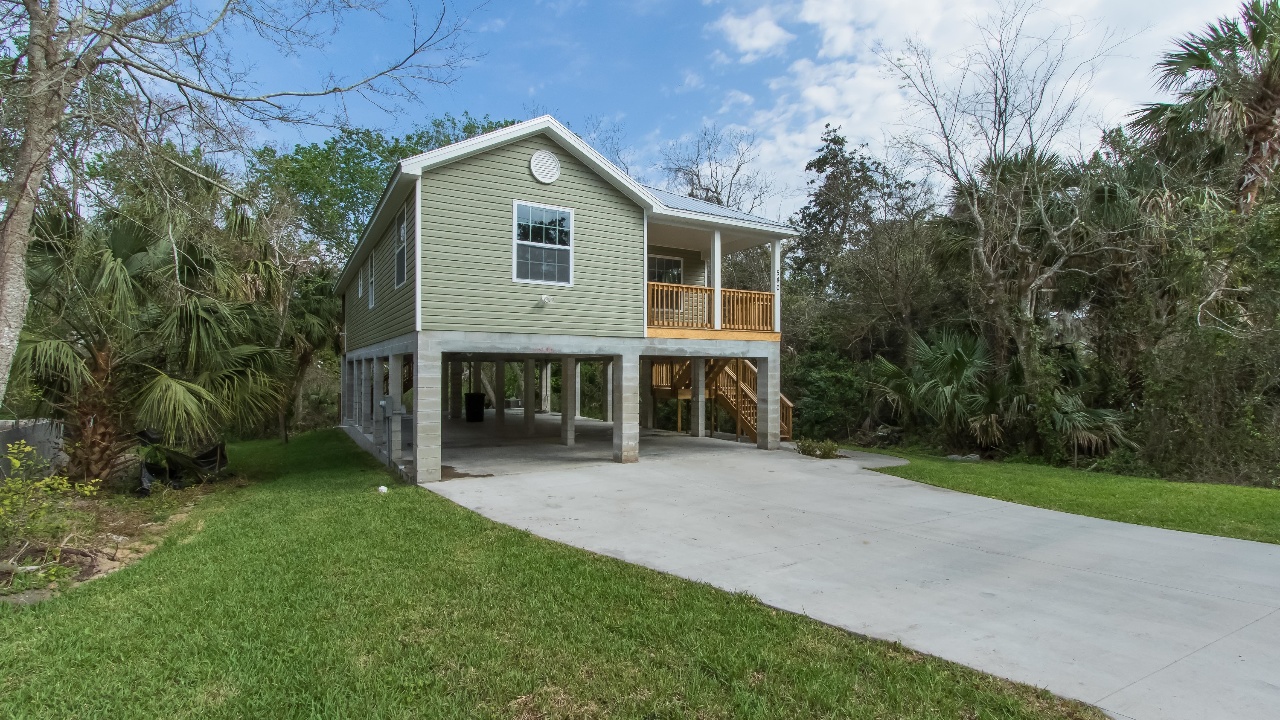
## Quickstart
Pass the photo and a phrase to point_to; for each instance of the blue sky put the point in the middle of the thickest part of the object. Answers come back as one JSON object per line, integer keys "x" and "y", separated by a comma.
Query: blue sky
{"x": 662, "y": 68}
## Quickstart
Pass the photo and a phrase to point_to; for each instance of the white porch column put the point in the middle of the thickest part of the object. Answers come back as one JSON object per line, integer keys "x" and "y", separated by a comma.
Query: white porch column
{"x": 776, "y": 256}
{"x": 427, "y": 427}
{"x": 715, "y": 264}
{"x": 395, "y": 393}
{"x": 455, "y": 389}
{"x": 500, "y": 391}
{"x": 698, "y": 397}
{"x": 608, "y": 391}
{"x": 626, "y": 406}
{"x": 568, "y": 398}
{"x": 768, "y": 397}
{"x": 530, "y": 398}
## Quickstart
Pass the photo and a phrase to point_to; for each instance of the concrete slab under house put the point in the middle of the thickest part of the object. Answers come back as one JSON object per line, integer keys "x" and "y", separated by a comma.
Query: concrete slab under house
{"x": 522, "y": 272}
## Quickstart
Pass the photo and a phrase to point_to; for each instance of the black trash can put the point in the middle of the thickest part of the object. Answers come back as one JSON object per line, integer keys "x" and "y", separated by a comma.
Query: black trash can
{"x": 474, "y": 405}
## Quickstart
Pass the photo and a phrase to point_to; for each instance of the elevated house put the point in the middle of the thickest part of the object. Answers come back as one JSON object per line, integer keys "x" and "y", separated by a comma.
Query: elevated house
{"x": 525, "y": 246}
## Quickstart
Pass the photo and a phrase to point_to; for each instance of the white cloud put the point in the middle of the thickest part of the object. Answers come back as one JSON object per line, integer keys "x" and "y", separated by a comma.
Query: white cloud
{"x": 734, "y": 99}
{"x": 754, "y": 35}
{"x": 692, "y": 81}
{"x": 837, "y": 79}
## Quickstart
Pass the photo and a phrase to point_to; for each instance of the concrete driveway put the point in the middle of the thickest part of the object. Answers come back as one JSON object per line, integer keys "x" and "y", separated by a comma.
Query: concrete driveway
{"x": 1145, "y": 623}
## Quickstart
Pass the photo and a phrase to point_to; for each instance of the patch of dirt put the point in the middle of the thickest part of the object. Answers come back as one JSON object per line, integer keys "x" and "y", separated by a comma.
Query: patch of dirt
{"x": 108, "y": 532}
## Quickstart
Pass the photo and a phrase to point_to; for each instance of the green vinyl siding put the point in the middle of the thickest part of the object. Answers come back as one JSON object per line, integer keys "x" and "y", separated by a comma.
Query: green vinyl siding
{"x": 695, "y": 269}
{"x": 392, "y": 313}
{"x": 467, "y": 248}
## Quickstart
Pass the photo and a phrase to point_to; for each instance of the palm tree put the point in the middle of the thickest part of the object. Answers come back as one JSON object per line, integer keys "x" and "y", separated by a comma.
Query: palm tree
{"x": 1226, "y": 83}
{"x": 143, "y": 320}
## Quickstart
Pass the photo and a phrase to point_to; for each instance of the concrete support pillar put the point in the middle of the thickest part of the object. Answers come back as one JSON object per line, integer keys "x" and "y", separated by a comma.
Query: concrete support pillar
{"x": 608, "y": 391}
{"x": 346, "y": 391}
{"x": 500, "y": 391}
{"x": 577, "y": 393}
{"x": 698, "y": 397}
{"x": 366, "y": 396}
{"x": 455, "y": 389}
{"x": 625, "y": 390}
{"x": 768, "y": 412}
{"x": 530, "y": 398}
{"x": 357, "y": 382}
{"x": 544, "y": 377}
{"x": 379, "y": 401}
{"x": 568, "y": 398}
{"x": 646, "y": 394}
{"x": 395, "y": 393}
{"x": 426, "y": 411}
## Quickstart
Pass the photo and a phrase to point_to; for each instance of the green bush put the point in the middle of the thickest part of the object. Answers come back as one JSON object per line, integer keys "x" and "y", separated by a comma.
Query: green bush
{"x": 824, "y": 449}
{"x": 32, "y": 498}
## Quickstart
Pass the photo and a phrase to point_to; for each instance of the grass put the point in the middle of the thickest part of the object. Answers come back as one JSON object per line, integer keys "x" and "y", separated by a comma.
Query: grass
{"x": 1247, "y": 513}
{"x": 309, "y": 594}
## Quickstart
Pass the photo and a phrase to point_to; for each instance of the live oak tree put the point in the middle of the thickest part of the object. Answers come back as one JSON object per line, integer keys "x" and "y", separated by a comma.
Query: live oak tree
{"x": 170, "y": 58}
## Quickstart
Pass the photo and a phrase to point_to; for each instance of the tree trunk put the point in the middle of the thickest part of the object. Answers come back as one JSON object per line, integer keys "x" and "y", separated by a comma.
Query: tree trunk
{"x": 20, "y": 197}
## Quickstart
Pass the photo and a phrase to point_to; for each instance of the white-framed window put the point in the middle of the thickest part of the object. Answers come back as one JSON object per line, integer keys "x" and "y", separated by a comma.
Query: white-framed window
{"x": 666, "y": 269}
{"x": 542, "y": 243}
{"x": 373, "y": 255}
{"x": 360, "y": 282}
{"x": 402, "y": 247}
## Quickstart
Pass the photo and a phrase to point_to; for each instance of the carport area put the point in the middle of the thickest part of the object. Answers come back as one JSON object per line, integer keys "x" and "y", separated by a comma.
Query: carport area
{"x": 1146, "y": 623}
{"x": 487, "y": 449}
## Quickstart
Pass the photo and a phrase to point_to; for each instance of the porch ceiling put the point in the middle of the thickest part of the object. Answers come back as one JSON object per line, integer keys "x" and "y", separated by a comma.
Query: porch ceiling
{"x": 699, "y": 239}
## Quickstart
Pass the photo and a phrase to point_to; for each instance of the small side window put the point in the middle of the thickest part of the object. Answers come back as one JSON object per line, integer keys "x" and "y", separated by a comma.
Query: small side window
{"x": 373, "y": 255}
{"x": 402, "y": 247}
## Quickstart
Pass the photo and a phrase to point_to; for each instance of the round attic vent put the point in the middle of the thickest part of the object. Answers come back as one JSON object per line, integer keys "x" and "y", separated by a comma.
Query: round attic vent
{"x": 545, "y": 167}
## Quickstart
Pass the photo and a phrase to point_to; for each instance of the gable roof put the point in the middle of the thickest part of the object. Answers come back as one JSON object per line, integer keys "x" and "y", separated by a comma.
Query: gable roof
{"x": 660, "y": 204}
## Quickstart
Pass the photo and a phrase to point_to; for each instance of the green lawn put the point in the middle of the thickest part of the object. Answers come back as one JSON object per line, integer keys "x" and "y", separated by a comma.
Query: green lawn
{"x": 308, "y": 594}
{"x": 1248, "y": 513}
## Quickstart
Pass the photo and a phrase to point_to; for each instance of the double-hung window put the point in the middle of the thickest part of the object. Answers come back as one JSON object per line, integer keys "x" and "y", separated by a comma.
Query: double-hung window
{"x": 543, "y": 239}
{"x": 402, "y": 246}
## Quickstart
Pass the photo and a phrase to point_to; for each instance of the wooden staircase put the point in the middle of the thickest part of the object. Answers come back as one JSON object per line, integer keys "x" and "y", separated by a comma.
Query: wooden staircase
{"x": 731, "y": 385}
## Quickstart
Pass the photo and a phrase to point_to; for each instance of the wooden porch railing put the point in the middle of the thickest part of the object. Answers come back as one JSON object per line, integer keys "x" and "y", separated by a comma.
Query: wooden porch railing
{"x": 681, "y": 306}
{"x": 747, "y": 310}
{"x": 693, "y": 306}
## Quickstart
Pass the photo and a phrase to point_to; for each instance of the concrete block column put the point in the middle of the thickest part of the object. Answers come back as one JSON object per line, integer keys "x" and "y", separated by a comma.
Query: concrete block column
{"x": 577, "y": 395}
{"x": 608, "y": 391}
{"x": 568, "y": 398}
{"x": 544, "y": 380}
{"x": 455, "y": 389}
{"x": 500, "y": 391}
{"x": 379, "y": 401}
{"x": 427, "y": 422}
{"x": 347, "y": 383}
{"x": 366, "y": 396}
{"x": 768, "y": 412}
{"x": 626, "y": 408}
{"x": 698, "y": 397}
{"x": 645, "y": 392}
{"x": 530, "y": 398}
{"x": 395, "y": 395}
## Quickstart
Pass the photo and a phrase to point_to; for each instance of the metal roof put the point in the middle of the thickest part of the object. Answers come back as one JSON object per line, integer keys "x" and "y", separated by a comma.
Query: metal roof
{"x": 702, "y": 207}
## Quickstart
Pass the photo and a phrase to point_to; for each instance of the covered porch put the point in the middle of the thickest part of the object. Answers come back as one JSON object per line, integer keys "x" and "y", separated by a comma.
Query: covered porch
{"x": 686, "y": 294}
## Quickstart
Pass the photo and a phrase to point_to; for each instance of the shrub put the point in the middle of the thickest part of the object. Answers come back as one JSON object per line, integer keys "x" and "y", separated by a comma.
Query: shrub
{"x": 824, "y": 449}
{"x": 32, "y": 498}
